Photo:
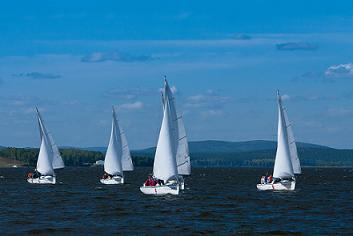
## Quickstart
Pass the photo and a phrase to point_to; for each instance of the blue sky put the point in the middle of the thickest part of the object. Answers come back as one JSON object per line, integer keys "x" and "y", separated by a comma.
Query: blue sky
{"x": 225, "y": 59}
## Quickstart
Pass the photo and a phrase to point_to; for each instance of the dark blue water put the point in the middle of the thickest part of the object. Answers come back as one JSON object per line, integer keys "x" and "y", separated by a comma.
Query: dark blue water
{"x": 216, "y": 201}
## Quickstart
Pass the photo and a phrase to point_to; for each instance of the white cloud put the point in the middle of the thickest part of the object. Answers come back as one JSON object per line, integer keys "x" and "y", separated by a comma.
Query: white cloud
{"x": 340, "y": 71}
{"x": 115, "y": 56}
{"x": 212, "y": 112}
{"x": 131, "y": 106}
{"x": 296, "y": 46}
{"x": 208, "y": 99}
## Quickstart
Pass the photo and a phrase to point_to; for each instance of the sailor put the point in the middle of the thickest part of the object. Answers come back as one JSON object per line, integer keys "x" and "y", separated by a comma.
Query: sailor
{"x": 29, "y": 175}
{"x": 269, "y": 178}
{"x": 149, "y": 181}
{"x": 262, "y": 179}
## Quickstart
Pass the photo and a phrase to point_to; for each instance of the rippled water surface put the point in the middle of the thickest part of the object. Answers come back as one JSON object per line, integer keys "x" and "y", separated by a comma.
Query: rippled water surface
{"x": 216, "y": 201}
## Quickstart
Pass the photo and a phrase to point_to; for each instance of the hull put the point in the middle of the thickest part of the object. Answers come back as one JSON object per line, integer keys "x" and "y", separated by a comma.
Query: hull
{"x": 280, "y": 186}
{"x": 172, "y": 189}
{"x": 45, "y": 179}
{"x": 114, "y": 180}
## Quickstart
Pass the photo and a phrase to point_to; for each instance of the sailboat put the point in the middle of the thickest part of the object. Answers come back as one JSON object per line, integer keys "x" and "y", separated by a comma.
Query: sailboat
{"x": 49, "y": 157}
{"x": 117, "y": 157}
{"x": 165, "y": 169}
{"x": 287, "y": 163}
{"x": 180, "y": 138}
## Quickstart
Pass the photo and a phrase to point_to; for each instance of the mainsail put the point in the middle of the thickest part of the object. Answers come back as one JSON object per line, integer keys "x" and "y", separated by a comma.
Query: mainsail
{"x": 45, "y": 158}
{"x": 58, "y": 162}
{"x": 180, "y": 142}
{"x": 164, "y": 166}
{"x": 113, "y": 161}
{"x": 283, "y": 165}
{"x": 49, "y": 157}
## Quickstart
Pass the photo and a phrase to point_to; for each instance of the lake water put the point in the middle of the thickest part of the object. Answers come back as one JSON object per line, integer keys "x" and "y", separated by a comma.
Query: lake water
{"x": 216, "y": 201}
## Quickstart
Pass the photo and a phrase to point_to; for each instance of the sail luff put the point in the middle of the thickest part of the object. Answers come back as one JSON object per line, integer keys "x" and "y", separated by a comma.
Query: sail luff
{"x": 283, "y": 166}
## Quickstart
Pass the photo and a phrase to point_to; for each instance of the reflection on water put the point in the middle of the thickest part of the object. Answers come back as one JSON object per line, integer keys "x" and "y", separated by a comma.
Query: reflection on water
{"x": 216, "y": 201}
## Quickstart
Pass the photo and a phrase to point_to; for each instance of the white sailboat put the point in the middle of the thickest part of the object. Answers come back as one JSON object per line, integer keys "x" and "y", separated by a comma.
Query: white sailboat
{"x": 117, "y": 158}
{"x": 49, "y": 157}
{"x": 287, "y": 163}
{"x": 165, "y": 163}
{"x": 180, "y": 139}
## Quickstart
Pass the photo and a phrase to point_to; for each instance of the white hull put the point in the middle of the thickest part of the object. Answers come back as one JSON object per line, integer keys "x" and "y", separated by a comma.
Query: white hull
{"x": 45, "y": 179}
{"x": 114, "y": 180}
{"x": 172, "y": 189}
{"x": 280, "y": 186}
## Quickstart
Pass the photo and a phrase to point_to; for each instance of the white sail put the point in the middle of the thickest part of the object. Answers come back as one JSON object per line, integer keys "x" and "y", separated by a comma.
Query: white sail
{"x": 292, "y": 145}
{"x": 58, "y": 162}
{"x": 164, "y": 166}
{"x": 112, "y": 162}
{"x": 45, "y": 157}
{"x": 283, "y": 165}
{"x": 126, "y": 158}
{"x": 181, "y": 146}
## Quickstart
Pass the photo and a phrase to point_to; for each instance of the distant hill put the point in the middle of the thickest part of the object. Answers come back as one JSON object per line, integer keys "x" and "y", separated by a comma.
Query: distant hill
{"x": 257, "y": 153}
{"x": 215, "y": 146}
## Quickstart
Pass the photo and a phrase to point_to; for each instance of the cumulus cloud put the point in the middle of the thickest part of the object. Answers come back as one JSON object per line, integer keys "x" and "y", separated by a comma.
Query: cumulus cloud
{"x": 131, "y": 106}
{"x": 37, "y": 76}
{"x": 296, "y": 46}
{"x": 115, "y": 56}
{"x": 340, "y": 71}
